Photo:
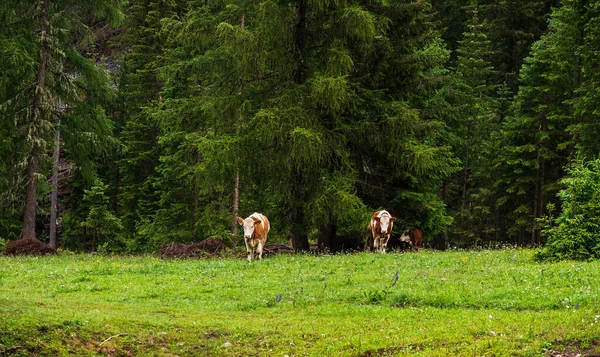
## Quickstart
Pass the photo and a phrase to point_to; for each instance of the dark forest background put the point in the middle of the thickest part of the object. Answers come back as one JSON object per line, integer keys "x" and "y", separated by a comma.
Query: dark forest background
{"x": 127, "y": 125}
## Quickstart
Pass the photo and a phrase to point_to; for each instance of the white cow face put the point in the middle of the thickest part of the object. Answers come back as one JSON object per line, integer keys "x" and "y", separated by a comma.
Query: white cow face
{"x": 248, "y": 224}
{"x": 386, "y": 223}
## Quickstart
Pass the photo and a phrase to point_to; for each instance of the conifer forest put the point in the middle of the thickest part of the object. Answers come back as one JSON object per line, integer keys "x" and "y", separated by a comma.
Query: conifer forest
{"x": 126, "y": 125}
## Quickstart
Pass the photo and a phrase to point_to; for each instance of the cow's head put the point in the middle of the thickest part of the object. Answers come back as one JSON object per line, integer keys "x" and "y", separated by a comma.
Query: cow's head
{"x": 386, "y": 222}
{"x": 405, "y": 237}
{"x": 248, "y": 224}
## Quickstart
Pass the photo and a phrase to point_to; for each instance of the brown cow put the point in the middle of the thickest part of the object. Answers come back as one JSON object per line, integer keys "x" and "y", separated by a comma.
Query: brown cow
{"x": 380, "y": 227}
{"x": 256, "y": 229}
{"x": 414, "y": 236}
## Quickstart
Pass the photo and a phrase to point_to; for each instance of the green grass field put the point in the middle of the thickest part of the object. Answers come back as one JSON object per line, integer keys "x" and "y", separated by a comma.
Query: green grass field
{"x": 476, "y": 303}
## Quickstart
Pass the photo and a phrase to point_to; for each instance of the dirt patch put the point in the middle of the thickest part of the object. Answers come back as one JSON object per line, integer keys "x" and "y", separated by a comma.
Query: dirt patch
{"x": 29, "y": 246}
{"x": 211, "y": 247}
{"x": 577, "y": 349}
{"x": 207, "y": 247}
{"x": 277, "y": 248}
{"x": 390, "y": 351}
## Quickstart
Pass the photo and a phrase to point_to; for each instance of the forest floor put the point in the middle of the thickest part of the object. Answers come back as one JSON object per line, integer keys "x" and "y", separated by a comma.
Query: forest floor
{"x": 454, "y": 303}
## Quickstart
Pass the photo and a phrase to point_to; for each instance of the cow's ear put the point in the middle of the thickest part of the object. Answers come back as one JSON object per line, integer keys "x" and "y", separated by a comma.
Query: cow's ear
{"x": 377, "y": 219}
{"x": 392, "y": 219}
{"x": 240, "y": 220}
{"x": 256, "y": 220}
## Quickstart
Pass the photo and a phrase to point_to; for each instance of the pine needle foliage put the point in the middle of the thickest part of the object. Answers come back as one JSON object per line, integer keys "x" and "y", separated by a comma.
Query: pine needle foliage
{"x": 575, "y": 233}
{"x": 50, "y": 80}
{"x": 283, "y": 94}
{"x": 476, "y": 123}
{"x": 536, "y": 141}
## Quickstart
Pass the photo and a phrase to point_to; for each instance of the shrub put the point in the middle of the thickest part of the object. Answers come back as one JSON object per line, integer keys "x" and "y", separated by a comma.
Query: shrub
{"x": 575, "y": 233}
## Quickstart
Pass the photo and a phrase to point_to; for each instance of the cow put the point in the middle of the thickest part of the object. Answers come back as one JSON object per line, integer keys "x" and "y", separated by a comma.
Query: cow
{"x": 414, "y": 236}
{"x": 380, "y": 227}
{"x": 256, "y": 228}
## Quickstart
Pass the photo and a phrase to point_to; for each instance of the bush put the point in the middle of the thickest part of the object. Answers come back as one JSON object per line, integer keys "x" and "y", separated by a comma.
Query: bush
{"x": 575, "y": 233}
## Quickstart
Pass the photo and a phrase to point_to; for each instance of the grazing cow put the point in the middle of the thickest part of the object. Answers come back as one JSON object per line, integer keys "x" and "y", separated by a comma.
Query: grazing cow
{"x": 256, "y": 228}
{"x": 414, "y": 236}
{"x": 380, "y": 227}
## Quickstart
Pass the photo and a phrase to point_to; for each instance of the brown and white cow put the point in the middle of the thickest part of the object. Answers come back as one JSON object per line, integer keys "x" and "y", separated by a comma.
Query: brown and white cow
{"x": 256, "y": 228}
{"x": 414, "y": 236}
{"x": 381, "y": 226}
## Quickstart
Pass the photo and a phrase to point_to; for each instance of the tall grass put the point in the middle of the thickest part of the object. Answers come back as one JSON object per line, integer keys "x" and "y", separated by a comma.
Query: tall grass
{"x": 476, "y": 303}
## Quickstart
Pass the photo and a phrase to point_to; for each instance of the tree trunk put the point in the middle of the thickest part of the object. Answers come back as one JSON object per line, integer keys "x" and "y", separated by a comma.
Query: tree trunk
{"x": 539, "y": 181}
{"x": 536, "y": 199}
{"x": 33, "y": 162}
{"x": 94, "y": 239}
{"x": 236, "y": 184}
{"x": 326, "y": 239}
{"x": 466, "y": 168}
{"x": 540, "y": 194}
{"x": 541, "y": 201}
{"x": 54, "y": 194}
{"x": 297, "y": 233}
{"x": 236, "y": 207}
{"x": 196, "y": 199}
{"x": 300, "y": 42}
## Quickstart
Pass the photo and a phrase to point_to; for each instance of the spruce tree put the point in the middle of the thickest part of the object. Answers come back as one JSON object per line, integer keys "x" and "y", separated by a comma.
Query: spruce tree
{"x": 103, "y": 226}
{"x": 585, "y": 128}
{"x": 514, "y": 26}
{"x": 475, "y": 127}
{"x": 17, "y": 58}
{"x": 285, "y": 97}
{"x": 404, "y": 150}
{"x": 57, "y": 75}
{"x": 575, "y": 232}
{"x": 536, "y": 142}
{"x": 139, "y": 93}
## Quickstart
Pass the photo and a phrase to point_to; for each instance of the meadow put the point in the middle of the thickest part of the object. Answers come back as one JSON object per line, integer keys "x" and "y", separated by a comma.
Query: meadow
{"x": 453, "y": 303}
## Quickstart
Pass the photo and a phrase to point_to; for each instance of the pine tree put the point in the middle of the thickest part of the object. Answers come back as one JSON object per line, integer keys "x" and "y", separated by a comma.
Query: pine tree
{"x": 102, "y": 224}
{"x": 404, "y": 150}
{"x": 514, "y": 26}
{"x": 477, "y": 121}
{"x": 575, "y": 232}
{"x": 58, "y": 74}
{"x": 586, "y": 129}
{"x": 139, "y": 92}
{"x": 17, "y": 58}
{"x": 285, "y": 98}
{"x": 536, "y": 142}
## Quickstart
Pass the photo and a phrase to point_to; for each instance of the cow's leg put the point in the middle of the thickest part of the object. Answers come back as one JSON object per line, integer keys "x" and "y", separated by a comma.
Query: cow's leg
{"x": 384, "y": 244}
{"x": 379, "y": 245}
{"x": 252, "y": 248}
{"x": 375, "y": 244}
{"x": 248, "y": 250}
{"x": 260, "y": 249}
